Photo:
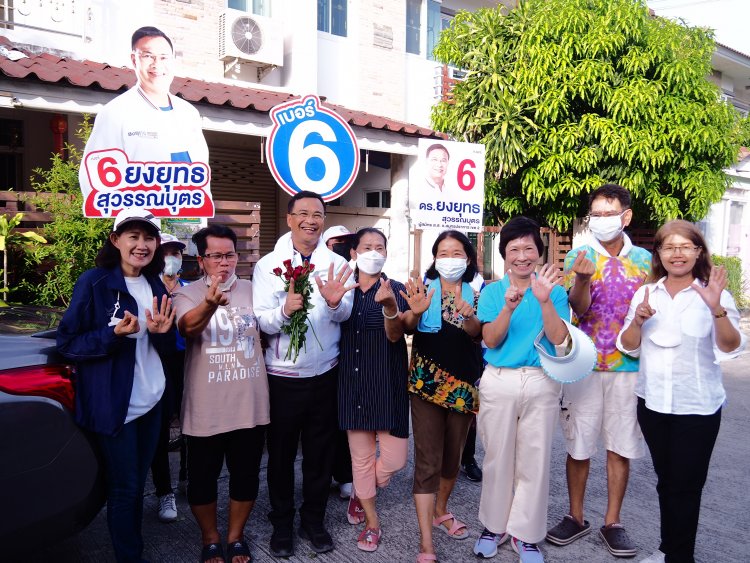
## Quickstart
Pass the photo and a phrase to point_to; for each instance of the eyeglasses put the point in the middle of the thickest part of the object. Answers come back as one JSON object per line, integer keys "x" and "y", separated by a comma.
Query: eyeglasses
{"x": 605, "y": 214}
{"x": 218, "y": 256}
{"x": 153, "y": 57}
{"x": 686, "y": 250}
{"x": 305, "y": 216}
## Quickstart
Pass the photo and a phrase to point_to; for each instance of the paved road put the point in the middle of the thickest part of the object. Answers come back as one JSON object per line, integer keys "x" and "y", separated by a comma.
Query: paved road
{"x": 724, "y": 523}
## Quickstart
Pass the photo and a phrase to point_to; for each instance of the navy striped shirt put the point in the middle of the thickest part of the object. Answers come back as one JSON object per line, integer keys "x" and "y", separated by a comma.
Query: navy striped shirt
{"x": 373, "y": 370}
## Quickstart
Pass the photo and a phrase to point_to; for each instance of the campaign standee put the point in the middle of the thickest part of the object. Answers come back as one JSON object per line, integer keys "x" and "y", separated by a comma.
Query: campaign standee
{"x": 311, "y": 148}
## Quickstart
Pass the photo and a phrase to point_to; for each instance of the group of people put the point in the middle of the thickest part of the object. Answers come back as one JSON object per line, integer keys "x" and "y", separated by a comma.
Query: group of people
{"x": 659, "y": 324}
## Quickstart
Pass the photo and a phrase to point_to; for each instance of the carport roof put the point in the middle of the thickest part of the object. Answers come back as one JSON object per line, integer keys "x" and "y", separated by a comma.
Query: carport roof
{"x": 21, "y": 64}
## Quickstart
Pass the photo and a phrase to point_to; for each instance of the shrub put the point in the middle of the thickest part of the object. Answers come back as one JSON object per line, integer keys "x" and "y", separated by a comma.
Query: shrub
{"x": 737, "y": 285}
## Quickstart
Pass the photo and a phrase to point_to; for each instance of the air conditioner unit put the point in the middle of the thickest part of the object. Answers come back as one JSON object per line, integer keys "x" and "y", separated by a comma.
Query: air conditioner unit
{"x": 251, "y": 39}
{"x": 456, "y": 73}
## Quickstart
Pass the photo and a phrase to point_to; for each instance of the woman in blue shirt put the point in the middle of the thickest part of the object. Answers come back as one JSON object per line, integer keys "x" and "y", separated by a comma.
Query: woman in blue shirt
{"x": 519, "y": 403}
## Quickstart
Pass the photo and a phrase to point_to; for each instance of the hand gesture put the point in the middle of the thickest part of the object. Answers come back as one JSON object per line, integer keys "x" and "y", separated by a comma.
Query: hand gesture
{"x": 711, "y": 294}
{"x": 386, "y": 298}
{"x": 128, "y": 325}
{"x": 294, "y": 301}
{"x": 466, "y": 310}
{"x": 582, "y": 266}
{"x": 513, "y": 296}
{"x": 643, "y": 311}
{"x": 417, "y": 296}
{"x": 542, "y": 284}
{"x": 161, "y": 321}
{"x": 215, "y": 296}
{"x": 334, "y": 289}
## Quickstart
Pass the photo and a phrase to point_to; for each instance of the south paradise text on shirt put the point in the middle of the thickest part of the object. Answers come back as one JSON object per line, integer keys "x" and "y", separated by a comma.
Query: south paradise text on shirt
{"x": 120, "y": 183}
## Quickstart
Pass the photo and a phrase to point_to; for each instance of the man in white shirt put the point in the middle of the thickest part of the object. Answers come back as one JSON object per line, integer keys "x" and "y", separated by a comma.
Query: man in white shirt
{"x": 303, "y": 393}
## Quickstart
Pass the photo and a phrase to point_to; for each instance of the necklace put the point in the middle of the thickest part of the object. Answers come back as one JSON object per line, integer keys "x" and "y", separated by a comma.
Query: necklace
{"x": 172, "y": 287}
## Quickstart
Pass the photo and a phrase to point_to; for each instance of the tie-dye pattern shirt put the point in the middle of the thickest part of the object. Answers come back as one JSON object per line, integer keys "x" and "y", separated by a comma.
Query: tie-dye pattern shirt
{"x": 615, "y": 280}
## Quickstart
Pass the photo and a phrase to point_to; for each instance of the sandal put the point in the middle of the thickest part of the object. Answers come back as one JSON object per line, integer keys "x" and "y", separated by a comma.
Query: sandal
{"x": 426, "y": 557}
{"x": 453, "y": 531}
{"x": 212, "y": 551}
{"x": 369, "y": 538}
{"x": 238, "y": 548}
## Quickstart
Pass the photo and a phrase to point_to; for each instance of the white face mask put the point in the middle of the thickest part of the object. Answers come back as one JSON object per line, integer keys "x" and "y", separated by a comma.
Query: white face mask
{"x": 370, "y": 262}
{"x": 451, "y": 268}
{"x": 606, "y": 228}
{"x": 223, "y": 286}
{"x": 172, "y": 265}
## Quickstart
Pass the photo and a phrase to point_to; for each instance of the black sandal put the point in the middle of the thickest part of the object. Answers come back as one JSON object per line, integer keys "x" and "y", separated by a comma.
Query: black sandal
{"x": 212, "y": 551}
{"x": 238, "y": 548}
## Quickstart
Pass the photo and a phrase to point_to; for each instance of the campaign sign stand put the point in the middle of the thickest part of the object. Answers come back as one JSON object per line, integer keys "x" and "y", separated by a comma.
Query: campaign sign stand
{"x": 166, "y": 189}
{"x": 311, "y": 148}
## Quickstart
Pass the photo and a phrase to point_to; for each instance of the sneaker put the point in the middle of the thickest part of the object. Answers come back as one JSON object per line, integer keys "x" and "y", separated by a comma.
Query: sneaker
{"x": 527, "y": 552}
{"x": 167, "y": 508}
{"x": 568, "y": 531}
{"x": 617, "y": 540}
{"x": 345, "y": 490}
{"x": 487, "y": 544}
{"x": 319, "y": 538}
{"x": 355, "y": 514}
{"x": 473, "y": 471}
{"x": 655, "y": 557}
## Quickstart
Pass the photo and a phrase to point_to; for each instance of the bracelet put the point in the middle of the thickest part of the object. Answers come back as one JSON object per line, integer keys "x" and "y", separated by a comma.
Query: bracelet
{"x": 395, "y": 315}
{"x": 721, "y": 315}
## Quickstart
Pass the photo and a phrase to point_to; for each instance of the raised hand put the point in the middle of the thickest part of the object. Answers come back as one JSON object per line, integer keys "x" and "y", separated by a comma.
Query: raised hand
{"x": 513, "y": 296}
{"x": 214, "y": 295}
{"x": 161, "y": 321}
{"x": 542, "y": 284}
{"x": 417, "y": 296}
{"x": 128, "y": 325}
{"x": 582, "y": 266}
{"x": 334, "y": 288}
{"x": 386, "y": 297}
{"x": 643, "y": 311}
{"x": 711, "y": 294}
{"x": 466, "y": 310}
{"x": 294, "y": 301}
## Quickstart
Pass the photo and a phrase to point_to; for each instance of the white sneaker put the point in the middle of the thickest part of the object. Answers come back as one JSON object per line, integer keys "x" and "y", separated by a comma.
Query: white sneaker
{"x": 345, "y": 490}
{"x": 167, "y": 508}
{"x": 655, "y": 557}
{"x": 527, "y": 552}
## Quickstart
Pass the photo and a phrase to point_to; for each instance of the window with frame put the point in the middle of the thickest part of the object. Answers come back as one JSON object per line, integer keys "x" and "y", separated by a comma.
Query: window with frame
{"x": 332, "y": 17}
{"x": 438, "y": 19}
{"x": 413, "y": 25}
{"x": 257, "y": 7}
{"x": 11, "y": 154}
{"x": 378, "y": 198}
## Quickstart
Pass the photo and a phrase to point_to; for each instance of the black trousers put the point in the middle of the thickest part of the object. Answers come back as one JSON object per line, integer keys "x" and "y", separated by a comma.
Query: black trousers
{"x": 681, "y": 447}
{"x": 301, "y": 408}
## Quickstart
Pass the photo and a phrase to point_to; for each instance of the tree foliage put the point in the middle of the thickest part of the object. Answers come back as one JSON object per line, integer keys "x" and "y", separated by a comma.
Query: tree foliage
{"x": 10, "y": 236}
{"x": 569, "y": 94}
{"x": 73, "y": 240}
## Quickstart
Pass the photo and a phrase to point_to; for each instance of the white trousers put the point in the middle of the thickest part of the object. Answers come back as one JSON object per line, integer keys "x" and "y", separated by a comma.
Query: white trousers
{"x": 517, "y": 416}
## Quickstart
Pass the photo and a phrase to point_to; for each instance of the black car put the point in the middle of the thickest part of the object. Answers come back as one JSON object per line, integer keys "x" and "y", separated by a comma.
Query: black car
{"x": 51, "y": 482}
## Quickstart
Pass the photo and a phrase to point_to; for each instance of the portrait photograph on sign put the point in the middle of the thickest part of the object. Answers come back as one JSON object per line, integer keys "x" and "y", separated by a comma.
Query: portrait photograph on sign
{"x": 446, "y": 187}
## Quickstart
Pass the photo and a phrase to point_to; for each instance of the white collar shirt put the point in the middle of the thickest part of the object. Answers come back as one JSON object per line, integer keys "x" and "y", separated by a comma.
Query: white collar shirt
{"x": 679, "y": 369}
{"x": 627, "y": 246}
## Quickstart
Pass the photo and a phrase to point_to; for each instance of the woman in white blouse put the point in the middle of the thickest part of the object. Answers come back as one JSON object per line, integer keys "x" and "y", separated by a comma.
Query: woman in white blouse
{"x": 680, "y": 325}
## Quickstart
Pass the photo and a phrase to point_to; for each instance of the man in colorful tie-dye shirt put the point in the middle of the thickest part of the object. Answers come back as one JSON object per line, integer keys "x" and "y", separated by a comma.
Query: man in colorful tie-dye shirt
{"x": 602, "y": 277}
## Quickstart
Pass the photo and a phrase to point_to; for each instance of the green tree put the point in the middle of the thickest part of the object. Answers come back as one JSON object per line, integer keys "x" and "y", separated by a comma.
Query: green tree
{"x": 73, "y": 239}
{"x": 11, "y": 236}
{"x": 569, "y": 94}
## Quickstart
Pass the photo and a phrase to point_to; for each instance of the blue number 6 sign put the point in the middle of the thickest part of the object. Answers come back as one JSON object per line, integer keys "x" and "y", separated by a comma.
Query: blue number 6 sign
{"x": 311, "y": 148}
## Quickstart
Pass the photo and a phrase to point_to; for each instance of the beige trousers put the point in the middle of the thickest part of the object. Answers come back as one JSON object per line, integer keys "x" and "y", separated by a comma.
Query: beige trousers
{"x": 519, "y": 409}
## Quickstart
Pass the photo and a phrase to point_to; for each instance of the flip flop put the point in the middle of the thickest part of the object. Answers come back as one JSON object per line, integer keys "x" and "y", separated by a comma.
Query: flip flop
{"x": 212, "y": 551}
{"x": 453, "y": 531}
{"x": 426, "y": 557}
{"x": 238, "y": 548}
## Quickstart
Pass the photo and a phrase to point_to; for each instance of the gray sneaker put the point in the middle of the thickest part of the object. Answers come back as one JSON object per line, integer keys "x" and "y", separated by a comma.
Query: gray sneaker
{"x": 568, "y": 531}
{"x": 617, "y": 540}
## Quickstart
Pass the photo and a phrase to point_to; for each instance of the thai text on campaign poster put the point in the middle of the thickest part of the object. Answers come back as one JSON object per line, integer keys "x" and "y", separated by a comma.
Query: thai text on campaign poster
{"x": 166, "y": 189}
{"x": 446, "y": 187}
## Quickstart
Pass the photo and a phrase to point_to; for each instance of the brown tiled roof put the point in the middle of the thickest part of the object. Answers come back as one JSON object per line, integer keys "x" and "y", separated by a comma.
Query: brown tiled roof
{"x": 47, "y": 67}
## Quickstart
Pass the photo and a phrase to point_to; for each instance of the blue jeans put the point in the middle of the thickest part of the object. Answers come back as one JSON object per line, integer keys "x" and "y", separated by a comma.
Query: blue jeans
{"x": 127, "y": 457}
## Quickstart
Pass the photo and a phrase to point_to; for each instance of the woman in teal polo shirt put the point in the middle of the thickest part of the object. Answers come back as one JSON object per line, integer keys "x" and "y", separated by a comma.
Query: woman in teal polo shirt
{"x": 519, "y": 404}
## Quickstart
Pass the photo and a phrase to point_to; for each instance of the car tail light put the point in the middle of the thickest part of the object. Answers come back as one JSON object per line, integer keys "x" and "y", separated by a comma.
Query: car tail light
{"x": 51, "y": 381}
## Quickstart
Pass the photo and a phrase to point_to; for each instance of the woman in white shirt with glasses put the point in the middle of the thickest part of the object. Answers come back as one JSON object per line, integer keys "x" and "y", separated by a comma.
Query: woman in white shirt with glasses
{"x": 680, "y": 325}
